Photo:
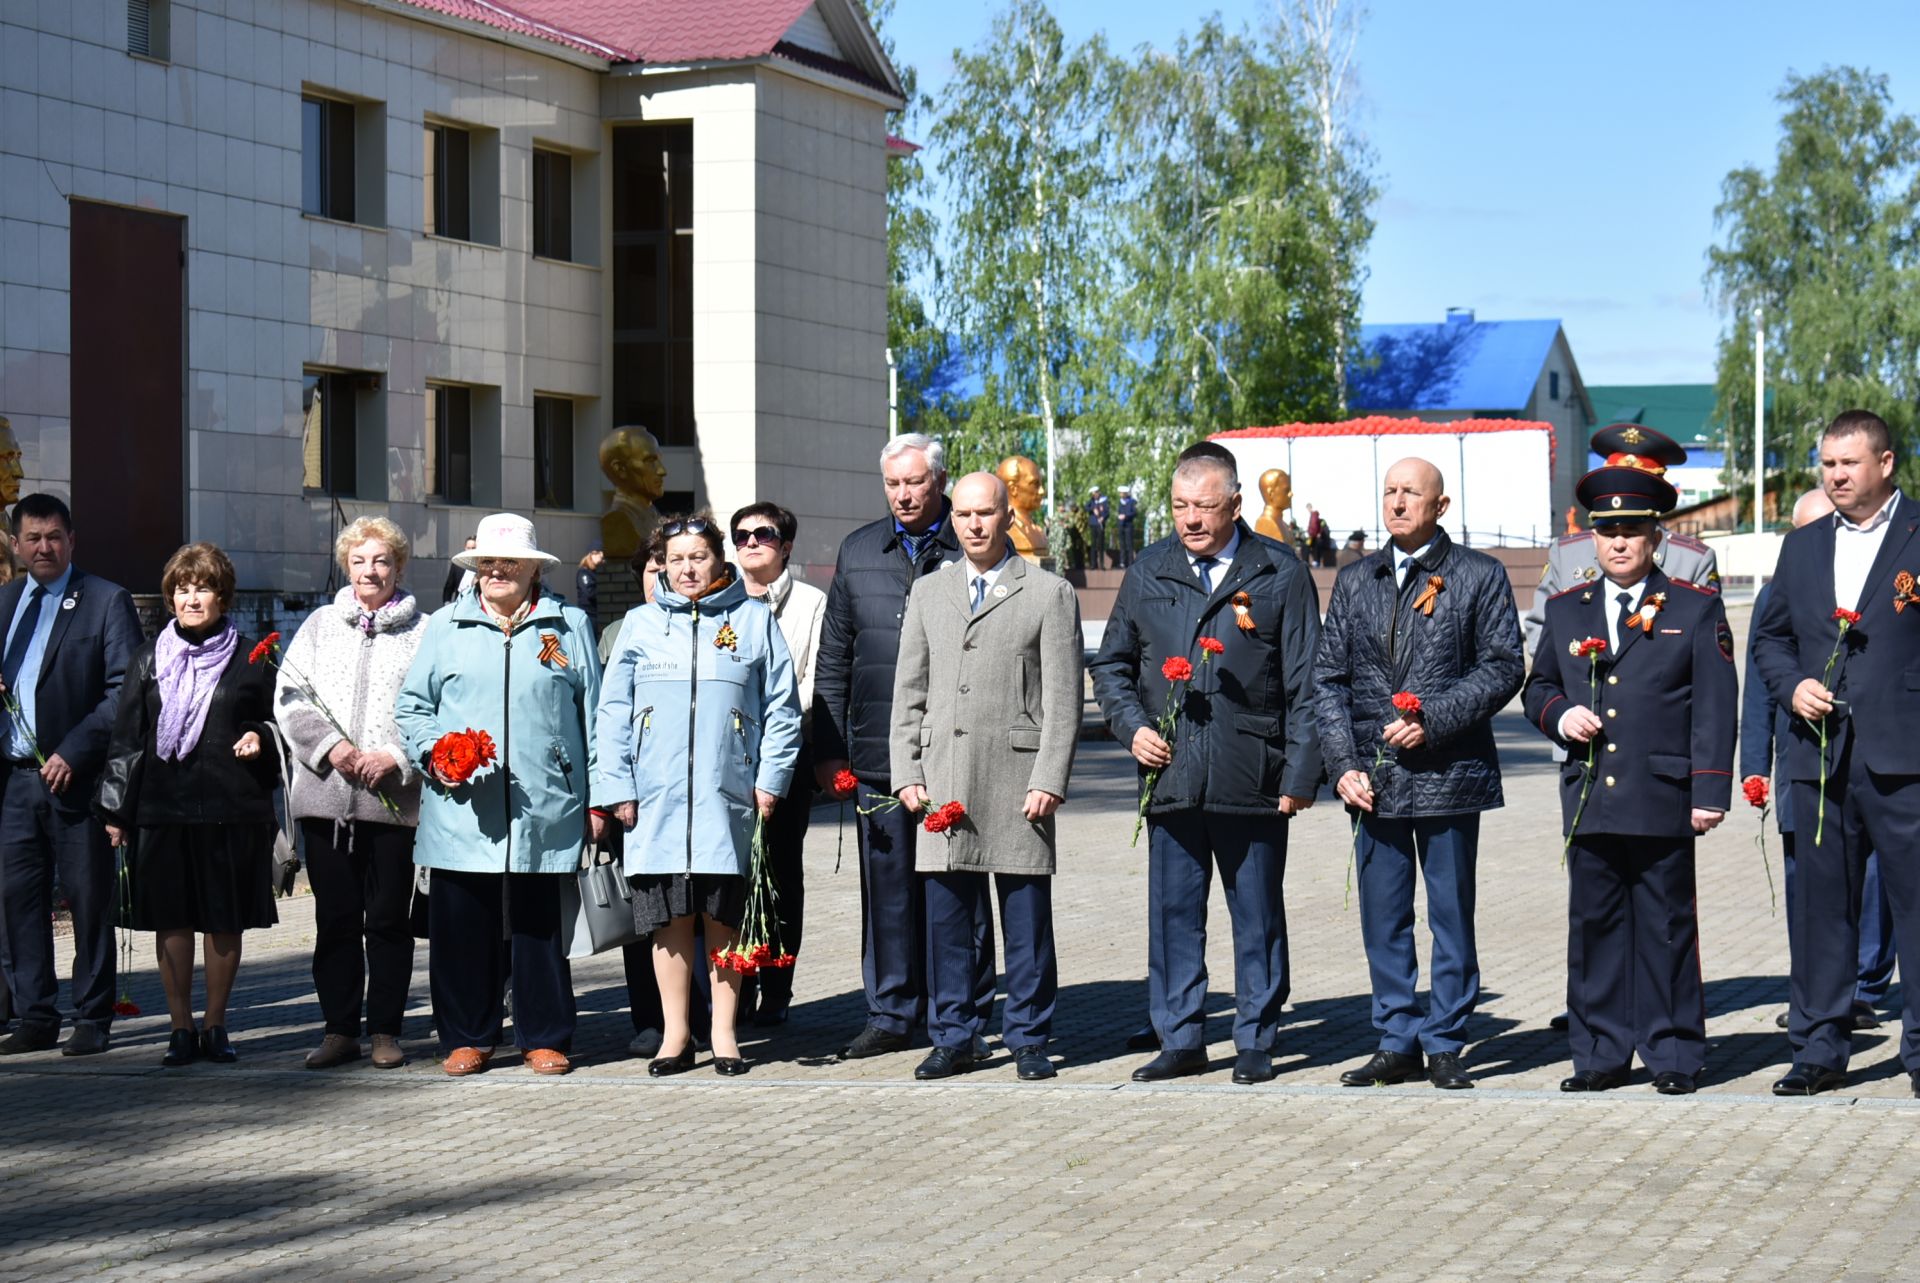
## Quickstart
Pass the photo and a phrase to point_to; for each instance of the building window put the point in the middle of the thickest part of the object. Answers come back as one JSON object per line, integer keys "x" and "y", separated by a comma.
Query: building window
{"x": 1553, "y": 385}
{"x": 653, "y": 280}
{"x": 330, "y": 440}
{"x": 552, "y": 452}
{"x": 147, "y": 28}
{"x": 449, "y": 183}
{"x": 450, "y": 443}
{"x": 326, "y": 158}
{"x": 552, "y": 204}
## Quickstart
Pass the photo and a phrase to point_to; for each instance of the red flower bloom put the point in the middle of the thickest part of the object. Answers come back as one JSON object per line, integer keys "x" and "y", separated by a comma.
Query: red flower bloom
{"x": 1845, "y": 616}
{"x": 1213, "y": 646}
{"x": 938, "y": 821}
{"x": 954, "y": 811}
{"x": 1590, "y": 647}
{"x": 458, "y": 755}
{"x": 845, "y": 783}
{"x": 271, "y": 642}
{"x": 126, "y": 1007}
{"x": 1407, "y": 703}
{"x": 1178, "y": 668}
{"x": 1756, "y": 791}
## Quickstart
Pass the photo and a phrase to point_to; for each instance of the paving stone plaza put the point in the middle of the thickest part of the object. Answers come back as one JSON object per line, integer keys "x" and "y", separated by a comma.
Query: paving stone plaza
{"x": 814, "y": 1168}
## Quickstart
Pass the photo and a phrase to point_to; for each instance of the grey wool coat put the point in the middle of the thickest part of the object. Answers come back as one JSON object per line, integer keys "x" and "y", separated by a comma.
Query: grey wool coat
{"x": 985, "y": 707}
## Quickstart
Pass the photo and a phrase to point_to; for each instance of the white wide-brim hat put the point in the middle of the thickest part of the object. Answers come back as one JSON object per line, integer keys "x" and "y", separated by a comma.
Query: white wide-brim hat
{"x": 504, "y": 535}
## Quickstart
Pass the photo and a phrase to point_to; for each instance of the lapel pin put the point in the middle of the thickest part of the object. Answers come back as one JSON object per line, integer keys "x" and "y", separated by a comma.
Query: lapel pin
{"x": 68, "y": 604}
{"x": 999, "y": 590}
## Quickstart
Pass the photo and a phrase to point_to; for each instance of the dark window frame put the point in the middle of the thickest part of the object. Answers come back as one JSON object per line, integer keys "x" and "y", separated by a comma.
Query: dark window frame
{"x": 553, "y": 437}
{"x": 449, "y": 211}
{"x": 553, "y": 204}
{"x": 327, "y": 158}
{"x": 339, "y": 432}
{"x": 451, "y": 408}
{"x": 653, "y": 279}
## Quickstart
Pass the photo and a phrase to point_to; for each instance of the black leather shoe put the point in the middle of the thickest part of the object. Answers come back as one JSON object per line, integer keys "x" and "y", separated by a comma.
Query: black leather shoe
{"x": 214, "y": 1046}
{"x": 1253, "y": 1066}
{"x": 1864, "y": 1017}
{"x": 1809, "y": 1080}
{"x": 183, "y": 1048}
{"x": 666, "y": 1066}
{"x": 1673, "y": 1083}
{"x": 1032, "y": 1064}
{"x": 769, "y": 1014}
{"x": 730, "y": 1066}
{"x": 1385, "y": 1067}
{"x": 1780, "y": 1021}
{"x": 87, "y": 1039}
{"x": 645, "y": 1044}
{"x": 1593, "y": 1080}
{"x": 1559, "y": 1022}
{"x": 1143, "y": 1040}
{"x": 1913, "y": 1080}
{"x": 944, "y": 1062}
{"x": 1445, "y": 1071}
{"x": 30, "y": 1038}
{"x": 873, "y": 1042}
{"x": 1172, "y": 1064}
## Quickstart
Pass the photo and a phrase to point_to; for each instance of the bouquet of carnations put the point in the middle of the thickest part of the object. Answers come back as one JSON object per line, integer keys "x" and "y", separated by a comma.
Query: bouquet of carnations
{"x": 759, "y": 946}
{"x": 458, "y": 756}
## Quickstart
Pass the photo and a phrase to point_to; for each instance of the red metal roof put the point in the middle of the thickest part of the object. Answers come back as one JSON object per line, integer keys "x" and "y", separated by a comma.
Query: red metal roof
{"x": 1380, "y": 425}
{"x": 657, "y": 31}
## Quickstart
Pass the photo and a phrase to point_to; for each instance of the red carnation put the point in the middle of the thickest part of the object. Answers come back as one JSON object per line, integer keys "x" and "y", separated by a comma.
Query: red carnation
{"x": 938, "y": 821}
{"x": 1213, "y": 646}
{"x": 459, "y": 755}
{"x": 126, "y": 1007}
{"x": 845, "y": 783}
{"x": 1407, "y": 703}
{"x": 1841, "y": 613}
{"x": 1178, "y": 668}
{"x": 1590, "y": 647}
{"x": 1756, "y": 790}
{"x": 271, "y": 643}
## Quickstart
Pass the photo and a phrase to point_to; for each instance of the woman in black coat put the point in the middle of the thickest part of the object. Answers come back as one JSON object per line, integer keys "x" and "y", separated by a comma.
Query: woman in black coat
{"x": 188, "y": 790}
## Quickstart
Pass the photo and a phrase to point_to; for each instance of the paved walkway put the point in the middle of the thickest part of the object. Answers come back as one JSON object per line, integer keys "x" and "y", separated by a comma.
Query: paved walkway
{"x": 810, "y": 1167}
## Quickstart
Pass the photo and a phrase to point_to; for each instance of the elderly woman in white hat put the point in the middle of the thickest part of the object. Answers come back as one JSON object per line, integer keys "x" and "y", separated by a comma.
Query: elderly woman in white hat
{"x": 516, "y": 662}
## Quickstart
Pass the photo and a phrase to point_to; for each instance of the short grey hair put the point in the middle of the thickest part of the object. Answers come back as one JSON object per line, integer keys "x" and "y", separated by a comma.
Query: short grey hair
{"x": 1190, "y": 469}
{"x": 935, "y": 452}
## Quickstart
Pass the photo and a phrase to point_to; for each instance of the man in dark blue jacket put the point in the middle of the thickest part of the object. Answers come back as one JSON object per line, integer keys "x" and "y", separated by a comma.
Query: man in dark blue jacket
{"x": 852, "y": 722}
{"x": 1634, "y": 677}
{"x": 68, "y": 640}
{"x": 1244, "y": 756}
{"x": 1766, "y": 727}
{"x": 1429, "y": 618}
{"x": 1858, "y": 785}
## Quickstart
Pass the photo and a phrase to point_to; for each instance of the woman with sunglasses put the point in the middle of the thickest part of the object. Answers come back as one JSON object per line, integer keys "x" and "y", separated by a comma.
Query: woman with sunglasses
{"x": 762, "y": 545}
{"x": 699, "y": 729}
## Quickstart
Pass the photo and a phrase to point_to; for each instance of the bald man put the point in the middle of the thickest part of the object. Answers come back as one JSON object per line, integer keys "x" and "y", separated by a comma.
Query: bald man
{"x": 1765, "y": 729}
{"x": 1426, "y": 617}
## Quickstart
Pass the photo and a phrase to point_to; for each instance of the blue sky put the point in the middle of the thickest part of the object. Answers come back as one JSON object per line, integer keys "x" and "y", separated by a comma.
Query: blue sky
{"x": 1542, "y": 160}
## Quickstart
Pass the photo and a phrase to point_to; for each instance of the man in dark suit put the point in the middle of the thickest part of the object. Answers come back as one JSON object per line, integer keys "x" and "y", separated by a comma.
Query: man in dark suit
{"x": 1859, "y": 790}
{"x": 69, "y": 638}
{"x": 1648, "y": 721}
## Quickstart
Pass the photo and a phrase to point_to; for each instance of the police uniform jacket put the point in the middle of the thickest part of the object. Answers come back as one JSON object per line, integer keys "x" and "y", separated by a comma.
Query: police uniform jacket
{"x": 1668, "y": 703}
{"x": 1573, "y": 562}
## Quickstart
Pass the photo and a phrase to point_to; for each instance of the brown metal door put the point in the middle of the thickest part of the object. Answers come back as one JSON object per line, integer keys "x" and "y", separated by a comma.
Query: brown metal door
{"x": 129, "y": 391}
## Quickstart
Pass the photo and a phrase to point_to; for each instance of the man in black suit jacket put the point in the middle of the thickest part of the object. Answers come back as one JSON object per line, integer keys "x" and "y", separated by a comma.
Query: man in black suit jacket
{"x": 67, "y": 641}
{"x": 1861, "y": 683}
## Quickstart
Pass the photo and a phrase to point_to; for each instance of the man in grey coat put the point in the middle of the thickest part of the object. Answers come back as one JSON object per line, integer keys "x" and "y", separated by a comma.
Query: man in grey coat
{"x": 986, "y": 715}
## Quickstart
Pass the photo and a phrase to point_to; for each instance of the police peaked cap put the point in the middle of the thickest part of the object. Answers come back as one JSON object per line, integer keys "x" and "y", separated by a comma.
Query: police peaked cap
{"x": 1628, "y": 445}
{"x": 1621, "y": 493}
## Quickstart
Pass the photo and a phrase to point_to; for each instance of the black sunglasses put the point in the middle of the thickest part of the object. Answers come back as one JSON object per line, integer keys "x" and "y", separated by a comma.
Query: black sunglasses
{"x": 761, "y": 534}
{"x": 690, "y": 526}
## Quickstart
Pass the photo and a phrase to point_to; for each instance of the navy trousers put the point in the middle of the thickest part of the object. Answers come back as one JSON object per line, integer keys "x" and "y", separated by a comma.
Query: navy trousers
{"x": 893, "y": 912}
{"x": 956, "y": 902}
{"x": 1876, "y": 922}
{"x": 1251, "y": 851}
{"x": 467, "y": 967}
{"x": 1865, "y": 813}
{"x": 1444, "y": 849}
{"x": 37, "y": 838}
{"x": 1633, "y": 955}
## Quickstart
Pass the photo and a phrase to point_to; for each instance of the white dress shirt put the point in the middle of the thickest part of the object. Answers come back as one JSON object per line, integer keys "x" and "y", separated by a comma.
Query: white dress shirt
{"x": 1403, "y": 561}
{"x": 989, "y": 576}
{"x": 1222, "y": 560}
{"x": 1854, "y": 548}
{"x": 1612, "y": 613}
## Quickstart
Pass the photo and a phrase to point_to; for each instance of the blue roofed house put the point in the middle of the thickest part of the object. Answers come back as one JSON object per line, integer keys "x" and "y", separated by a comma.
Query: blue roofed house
{"x": 1464, "y": 368}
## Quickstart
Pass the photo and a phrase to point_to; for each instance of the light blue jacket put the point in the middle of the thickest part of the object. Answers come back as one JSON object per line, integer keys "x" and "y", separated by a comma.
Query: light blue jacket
{"x": 688, "y": 728}
{"x": 527, "y": 813}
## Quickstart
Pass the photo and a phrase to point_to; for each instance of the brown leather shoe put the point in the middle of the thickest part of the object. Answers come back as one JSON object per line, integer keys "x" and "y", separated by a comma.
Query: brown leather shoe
{"x": 462, "y": 1061}
{"x": 334, "y": 1049}
{"x": 387, "y": 1053}
{"x": 544, "y": 1060}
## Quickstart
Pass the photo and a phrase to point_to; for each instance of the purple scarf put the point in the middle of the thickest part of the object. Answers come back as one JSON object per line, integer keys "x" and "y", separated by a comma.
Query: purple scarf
{"x": 186, "y": 675}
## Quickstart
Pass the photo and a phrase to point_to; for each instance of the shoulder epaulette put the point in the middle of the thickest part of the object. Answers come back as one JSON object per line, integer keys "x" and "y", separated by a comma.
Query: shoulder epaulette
{"x": 1582, "y": 586}
{"x": 1704, "y": 592}
{"x": 1575, "y": 537}
{"x": 1686, "y": 541}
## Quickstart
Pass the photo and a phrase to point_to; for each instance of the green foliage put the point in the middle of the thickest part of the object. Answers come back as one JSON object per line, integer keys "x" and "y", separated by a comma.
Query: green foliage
{"x": 1827, "y": 245}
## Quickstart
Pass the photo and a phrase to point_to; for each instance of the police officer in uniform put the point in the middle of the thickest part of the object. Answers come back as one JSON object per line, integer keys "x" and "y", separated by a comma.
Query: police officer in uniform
{"x": 1571, "y": 562}
{"x": 1655, "y": 714}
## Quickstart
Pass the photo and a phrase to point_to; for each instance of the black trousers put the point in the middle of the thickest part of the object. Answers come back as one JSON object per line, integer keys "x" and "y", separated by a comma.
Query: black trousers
{"x": 37, "y": 838}
{"x": 1633, "y": 955}
{"x": 467, "y": 966}
{"x": 786, "y": 843}
{"x": 362, "y": 877}
{"x": 1865, "y": 812}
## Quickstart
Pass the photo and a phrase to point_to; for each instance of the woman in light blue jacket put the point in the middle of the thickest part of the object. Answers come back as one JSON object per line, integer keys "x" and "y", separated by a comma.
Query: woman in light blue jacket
{"x": 699, "y": 728}
{"x": 516, "y": 662}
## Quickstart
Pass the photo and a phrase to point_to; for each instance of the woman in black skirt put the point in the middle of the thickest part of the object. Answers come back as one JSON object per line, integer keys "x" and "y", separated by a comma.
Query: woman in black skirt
{"x": 188, "y": 790}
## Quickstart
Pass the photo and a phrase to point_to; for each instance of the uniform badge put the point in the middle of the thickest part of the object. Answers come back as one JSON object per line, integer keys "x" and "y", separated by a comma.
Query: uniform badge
{"x": 1903, "y": 595}
{"x": 726, "y": 638}
{"x": 1633, "y": 436}
{"x": 1643, "y": 617}
{"x": 1589, "y": 572}
{"x": 1724, "y": 635}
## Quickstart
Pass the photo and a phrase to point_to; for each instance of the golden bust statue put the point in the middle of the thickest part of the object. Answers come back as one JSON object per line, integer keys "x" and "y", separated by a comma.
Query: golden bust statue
{"x": 1025, "y": 494}
{"x": 1276, "y": 488}
{"x": 630, "y": 457}
{"x": 10, "y": 469}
